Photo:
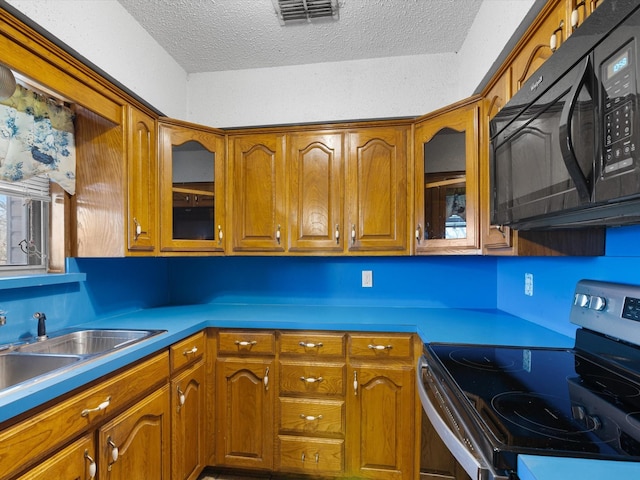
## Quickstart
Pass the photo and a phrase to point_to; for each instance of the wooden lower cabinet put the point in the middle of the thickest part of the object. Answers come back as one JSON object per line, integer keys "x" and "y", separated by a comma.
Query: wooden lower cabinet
{"x": 299, "y": 403}
{"x": 188, "y": 420}
{"x": 314, "y": 456}
{"x": 75, "y": 462}
{"x": 135, "y": 444}
{"x": 380, "y": 431}
{"x": 244, "y": 412}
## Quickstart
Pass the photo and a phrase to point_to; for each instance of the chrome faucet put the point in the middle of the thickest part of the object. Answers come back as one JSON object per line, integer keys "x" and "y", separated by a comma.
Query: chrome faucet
{"x": 42, "y": 328}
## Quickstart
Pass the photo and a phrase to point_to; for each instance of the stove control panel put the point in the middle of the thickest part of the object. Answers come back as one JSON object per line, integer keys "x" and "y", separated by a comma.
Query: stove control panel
{"x": 609, "y": 308}
{"x": 590, "y": 301}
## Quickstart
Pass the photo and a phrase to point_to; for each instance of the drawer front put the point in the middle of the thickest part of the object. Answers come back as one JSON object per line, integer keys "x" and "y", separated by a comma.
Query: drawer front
{"x": 381, "y": 345}
{"x": 187, "y": 351}
{"x": 312, "y": 378}
{"x": 312, "y": 343}
{"x": 28, "y": 440}
{"x": 310, "y": 417}
{"x": 246, "y": 342}
{"x": 311, "y": 455}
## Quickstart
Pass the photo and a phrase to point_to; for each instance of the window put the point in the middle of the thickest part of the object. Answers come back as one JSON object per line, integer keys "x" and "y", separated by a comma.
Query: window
{"x": 24, "y": 226}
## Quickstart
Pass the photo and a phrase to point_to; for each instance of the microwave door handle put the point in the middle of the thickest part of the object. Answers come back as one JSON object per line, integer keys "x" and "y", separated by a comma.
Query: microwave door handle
{"x": 566, "y": 139}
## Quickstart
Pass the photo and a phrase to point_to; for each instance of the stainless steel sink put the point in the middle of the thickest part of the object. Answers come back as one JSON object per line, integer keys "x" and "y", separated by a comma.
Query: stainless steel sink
{"x": 89, "y": 342}
{"x": 28, "y": 363}
{"x": 17, "y": 368}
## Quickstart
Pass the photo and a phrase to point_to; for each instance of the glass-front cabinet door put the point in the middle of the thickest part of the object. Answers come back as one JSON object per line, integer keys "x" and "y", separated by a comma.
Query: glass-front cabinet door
{"x": 446, "y": 170}
{"x": 192, "y": 188}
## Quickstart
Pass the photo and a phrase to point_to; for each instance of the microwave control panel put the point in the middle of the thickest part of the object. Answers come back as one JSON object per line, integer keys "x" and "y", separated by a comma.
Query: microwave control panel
{"x": 618, "y": 76}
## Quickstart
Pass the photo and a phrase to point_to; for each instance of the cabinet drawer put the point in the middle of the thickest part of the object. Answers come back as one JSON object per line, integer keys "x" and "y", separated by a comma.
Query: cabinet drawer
{"x": 310, "y": 417}
{"x": 27, "y": 441}
{"x": 312, "y": 378}
{"x": 246, "y": 342}
{"x": 311, "y": 455}
{"x": 381, "y": 345}
{"x": 187, "y": 351}
{"x": 312, "y": 343}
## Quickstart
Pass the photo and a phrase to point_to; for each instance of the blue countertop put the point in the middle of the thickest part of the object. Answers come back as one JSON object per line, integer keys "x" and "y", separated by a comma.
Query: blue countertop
{"x": 490, "y": 327}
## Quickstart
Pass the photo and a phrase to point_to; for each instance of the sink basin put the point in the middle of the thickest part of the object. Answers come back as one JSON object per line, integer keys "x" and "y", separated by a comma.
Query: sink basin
{"x": 16, "y": 368}
{"x": 89, "y": 342}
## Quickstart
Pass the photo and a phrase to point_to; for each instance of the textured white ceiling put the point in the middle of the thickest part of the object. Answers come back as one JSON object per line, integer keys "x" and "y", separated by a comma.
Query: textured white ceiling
{"x": 218, "y": 35}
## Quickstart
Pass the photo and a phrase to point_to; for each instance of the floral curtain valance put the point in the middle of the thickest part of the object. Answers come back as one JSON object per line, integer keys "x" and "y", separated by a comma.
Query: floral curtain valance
{"x": 37, "y": 138}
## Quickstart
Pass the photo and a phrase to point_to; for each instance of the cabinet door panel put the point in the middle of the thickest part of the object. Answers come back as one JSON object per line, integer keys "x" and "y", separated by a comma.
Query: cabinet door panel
{"x": 244, "y": 407}
{"x": 377, "y": 190}
{"x": 315, "y": 192}
{"x": 380, "y": 427}
{"x": 188, "y": 423}
{"x": 141, "y": 436}
{"x": 452, "y": 133}
{"x": 258, "y": 193}
{"x": 537, "y": 48}
{"x": 142, "y": 183}
{"x": 70, "y": 463}
{"x": 192, "y": 188}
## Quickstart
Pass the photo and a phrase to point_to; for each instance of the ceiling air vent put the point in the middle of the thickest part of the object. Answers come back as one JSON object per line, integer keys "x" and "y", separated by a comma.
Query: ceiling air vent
{"x": 290, "y": 11}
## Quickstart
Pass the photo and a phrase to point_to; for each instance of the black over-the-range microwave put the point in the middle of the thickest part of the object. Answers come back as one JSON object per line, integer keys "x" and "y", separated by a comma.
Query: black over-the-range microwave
{"x": 565, "y": 150}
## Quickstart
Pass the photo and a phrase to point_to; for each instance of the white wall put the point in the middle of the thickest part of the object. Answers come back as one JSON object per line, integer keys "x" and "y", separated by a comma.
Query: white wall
{"x": 104, "y": 33}
{"x": 491, "y": 30}
{"x": 376, "y": 88}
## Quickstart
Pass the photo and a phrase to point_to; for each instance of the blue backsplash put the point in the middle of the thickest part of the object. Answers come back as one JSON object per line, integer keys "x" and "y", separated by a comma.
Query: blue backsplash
{"x": 115, "y": 286}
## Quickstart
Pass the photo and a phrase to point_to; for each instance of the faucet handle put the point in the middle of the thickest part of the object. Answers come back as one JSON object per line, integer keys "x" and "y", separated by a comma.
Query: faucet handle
{"x": 42, "y": 329}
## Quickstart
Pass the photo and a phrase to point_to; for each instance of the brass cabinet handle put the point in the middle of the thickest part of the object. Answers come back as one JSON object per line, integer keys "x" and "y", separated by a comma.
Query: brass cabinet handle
{"x": 278, "y": 235}
{"x": 355, "y": 382}
{"x": 138, "y": 231}
{"x": 190, "y": 352}
{"x": 181, "y": 397}
{"x": 353, "y": 233}
{"x": 115, "y": 452}
{"x": 311, "y": 418}
{"x": 310, "y": 344}
{"x": 337, "y": 234}
{"x": 265, "y": 380}
{"x": 244, "y": 343}
{"x": 99, "y": 408}
{"x": 311, "y": 379}
{"x": 220, "y": 236}
{"x": 92, "y": 464}
{"x": 380, "y": 347}
{"x": 419, "y": 233}
{"x": 553, "y": 41}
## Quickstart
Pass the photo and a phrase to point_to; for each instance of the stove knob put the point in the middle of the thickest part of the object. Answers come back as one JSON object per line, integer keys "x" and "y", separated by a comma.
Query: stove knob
{"x": 581, "y": 300}
{"x": 597, "y": 303}
{"x": 593, "y": 422}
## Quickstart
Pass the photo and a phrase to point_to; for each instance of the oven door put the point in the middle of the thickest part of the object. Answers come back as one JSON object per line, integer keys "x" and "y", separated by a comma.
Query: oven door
{"x": 450, "y": 425}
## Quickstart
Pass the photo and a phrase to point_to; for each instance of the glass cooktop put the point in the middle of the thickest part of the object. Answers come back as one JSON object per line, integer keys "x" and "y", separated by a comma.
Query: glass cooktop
{"x": 556, "y": 400}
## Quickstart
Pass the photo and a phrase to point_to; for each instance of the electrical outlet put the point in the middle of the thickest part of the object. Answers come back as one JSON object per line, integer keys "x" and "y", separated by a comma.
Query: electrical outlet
{"x": 528, "y": 284}
{"x": 367, "y": 278}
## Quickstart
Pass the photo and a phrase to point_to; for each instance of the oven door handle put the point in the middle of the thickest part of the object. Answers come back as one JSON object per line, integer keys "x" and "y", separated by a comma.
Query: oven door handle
{"x": 465, "y": 458}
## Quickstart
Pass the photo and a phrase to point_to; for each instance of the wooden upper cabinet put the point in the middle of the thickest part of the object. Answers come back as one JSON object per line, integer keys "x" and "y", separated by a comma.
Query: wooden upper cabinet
{"x": 258, "y": 189}
{"x": 377, "y": 190}
{"x": 142, "y": 169}
{"x": 316, "y": 189}
{"x": 192, "y": 188}
{"x": 551, "y": 26}
{"x": 579, "y": 10}
{"x": 493, "y": 237}
{"x": 446, "y": 172}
